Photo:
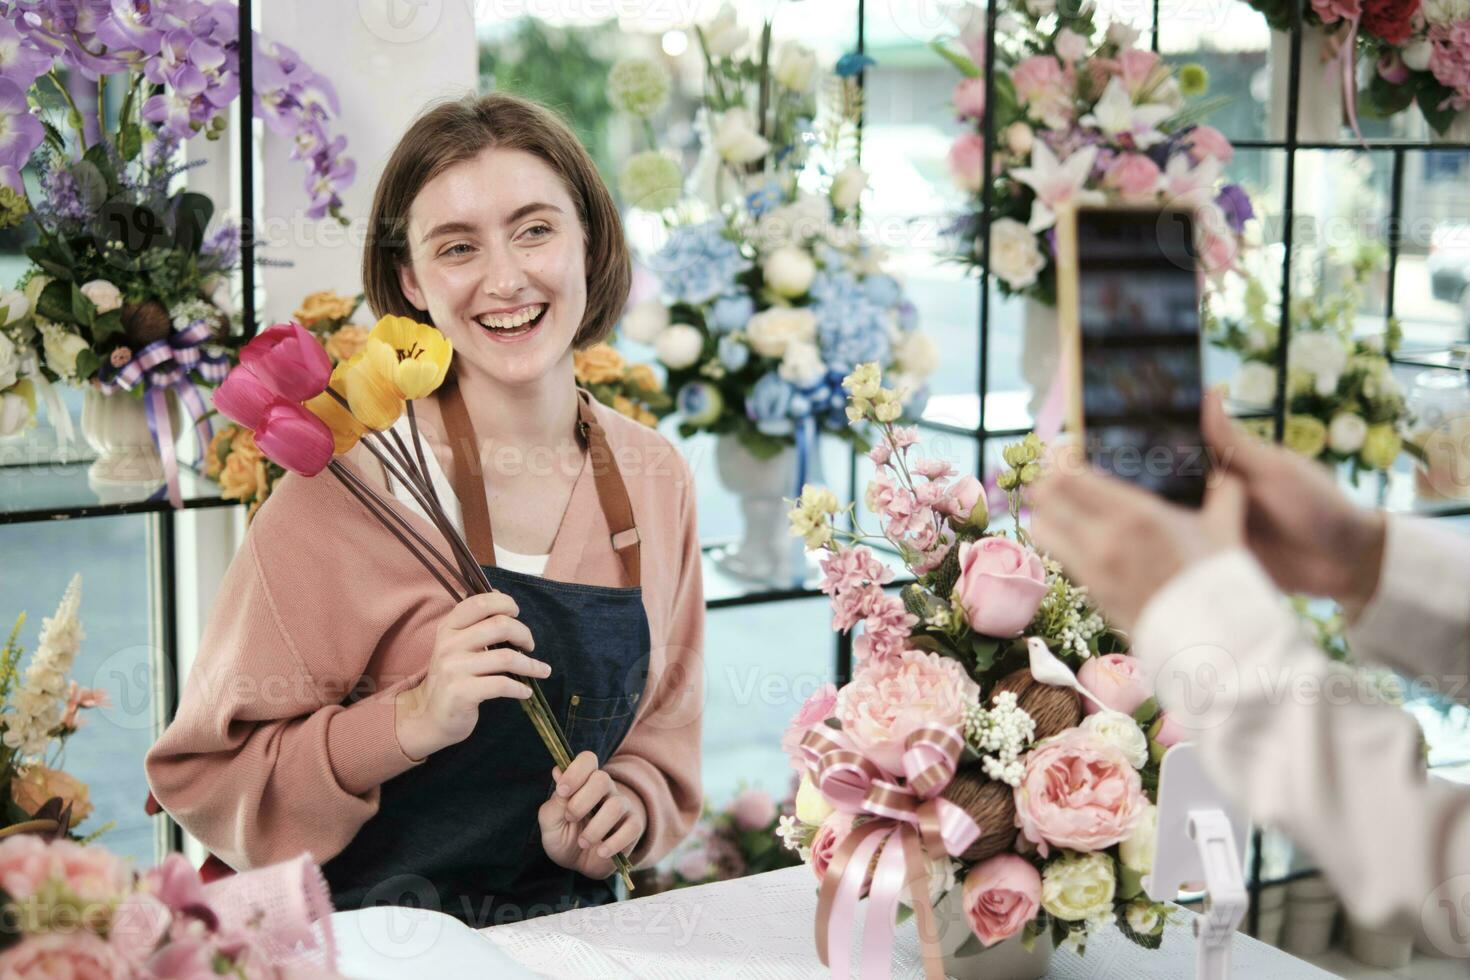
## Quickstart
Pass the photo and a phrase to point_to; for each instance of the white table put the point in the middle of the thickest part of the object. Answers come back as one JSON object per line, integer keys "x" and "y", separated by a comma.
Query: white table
{"x": 760, "y": 928}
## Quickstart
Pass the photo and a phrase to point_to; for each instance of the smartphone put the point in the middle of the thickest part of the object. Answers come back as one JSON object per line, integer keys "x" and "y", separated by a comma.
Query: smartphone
{"x": 1128, "y": 311}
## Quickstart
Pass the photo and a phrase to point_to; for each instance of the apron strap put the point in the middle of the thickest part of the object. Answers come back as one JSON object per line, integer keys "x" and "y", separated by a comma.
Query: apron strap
{"x": 612, "y": 493}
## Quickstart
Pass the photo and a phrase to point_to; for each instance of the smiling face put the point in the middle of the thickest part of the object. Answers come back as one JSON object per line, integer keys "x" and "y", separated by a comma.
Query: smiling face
{"x": 497, "y": 257}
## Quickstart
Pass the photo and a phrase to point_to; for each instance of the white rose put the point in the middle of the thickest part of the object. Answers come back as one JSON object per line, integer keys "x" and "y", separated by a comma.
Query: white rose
{"x": 645, "y": 321}
{"x": 16, "y": 305}
{"x": 1443, "y": 13}
{"x": 1122, "y": 35}
{"x": 1322, "y": 355}
{"x": 15, "y": 413}
{"x": 9, "y": 362}
{"x": 1121, "y": 732}
{"x": 847, "y": 186}
{"x": 1255, "y": 384}
{"x": 1014, "y": 255}
{"x": 61, "y": 347}
{"x": 1019, "y": 137}
{"x": 1346, "y": 432}
{"x": 796, "y": 66}
{"x": 723, "y": 36}
{"x": 918, "y": 354}
{"x": 802, "y": 364}
{"x": 735, "y": 138}
{"x": 811, "y": 806}
{"x": 1137, "y": 851}
{"x": 1416, "y": 54}
{"x": 1078, "y": 888}
{"x": 103, "y": 294}
{"x": 792, "y": 224}
{"x": 679, "y": 346}
{"x": 789, "y": 271}
{"x": 770, "y": 331}
{"x": 1144, "y": 919}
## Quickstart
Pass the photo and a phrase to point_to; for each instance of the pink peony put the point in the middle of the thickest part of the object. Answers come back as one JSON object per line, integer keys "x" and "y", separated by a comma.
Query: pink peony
{"x": 1001, "y": 584}
{"x": 1332, "y": 11}
{"x": 829, "y": 837}
{"x": 1117, "y": 680}
{"x": 1002, "y": 894}
{"x": 969, "y": 98}
{"x": 889, "y": 698}
{"x": 90, "y": 873}
{"x": 25, "y": 862}
{"x": 1207, "y": 141}
{"x": 1449, "y": 59}
{"x": 1078, "y": 792}
{"x": 1133, "y": 175}
{"x": 753, "y": 809}
{"x": 74, "y": 955}
{"x": 967, "y": 161}
{"x": 885, "y": 630}
{"x": 814, "y": 711}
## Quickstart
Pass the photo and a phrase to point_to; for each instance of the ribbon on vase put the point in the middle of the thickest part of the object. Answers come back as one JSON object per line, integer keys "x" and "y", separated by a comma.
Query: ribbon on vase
{"x": 908, "y": 823}
{"x": 164, "y": 366}
{"x": 1346, "y": 59}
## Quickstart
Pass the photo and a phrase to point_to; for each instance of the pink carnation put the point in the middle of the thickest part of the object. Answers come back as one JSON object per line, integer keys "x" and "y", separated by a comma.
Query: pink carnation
{"x": 1117, "y": 680}
{"x": 851, "y": 607}
{"x": 1449, "y": 60}
{"x": 880, "y": 453}
{"x": 848, "y": 569}
{"x": 885, "y": 630}
{"x": 1078, "y": 792}
{"x": 933, "y": 469}
{"x": 814, "y": 711}
{"x": 72, "y": 955}
{"x": 889, "y": 698}
{"x": 1002, "y": 894}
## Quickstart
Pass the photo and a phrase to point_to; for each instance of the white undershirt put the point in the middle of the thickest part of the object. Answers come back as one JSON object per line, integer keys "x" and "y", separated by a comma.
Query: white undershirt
{"x": 517, "y": 562}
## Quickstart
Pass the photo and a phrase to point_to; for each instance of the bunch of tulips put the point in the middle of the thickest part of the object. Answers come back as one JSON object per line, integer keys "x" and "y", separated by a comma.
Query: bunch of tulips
{"x": 304, "y": 414}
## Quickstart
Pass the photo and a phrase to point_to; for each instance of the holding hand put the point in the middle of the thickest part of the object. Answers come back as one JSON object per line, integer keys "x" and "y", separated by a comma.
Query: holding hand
{"x": 589, "y": 818}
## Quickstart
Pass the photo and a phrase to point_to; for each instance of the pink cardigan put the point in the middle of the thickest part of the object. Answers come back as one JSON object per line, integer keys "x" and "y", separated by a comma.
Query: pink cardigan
{"x": 264, "y": 759}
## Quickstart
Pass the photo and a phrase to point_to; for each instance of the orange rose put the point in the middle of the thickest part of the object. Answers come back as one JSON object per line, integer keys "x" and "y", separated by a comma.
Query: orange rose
{"x": 647, "y": 418}
{"x": 244, "y": 476}
{"x": 31, "y": 789}
{"x": 345, "y": 341}
{"x": 324, "y": 305}
{"x": 598, "y": 364}
{"x": 641, "y": 376}
{"x": 624, "y": 405}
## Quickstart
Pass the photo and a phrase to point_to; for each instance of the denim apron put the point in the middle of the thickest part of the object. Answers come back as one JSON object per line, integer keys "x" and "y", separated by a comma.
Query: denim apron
{"x": 458, "y": 833}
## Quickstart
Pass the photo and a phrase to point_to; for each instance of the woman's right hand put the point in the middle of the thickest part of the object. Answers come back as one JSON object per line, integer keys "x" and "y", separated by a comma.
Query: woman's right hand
{"x": 473, "y": 660}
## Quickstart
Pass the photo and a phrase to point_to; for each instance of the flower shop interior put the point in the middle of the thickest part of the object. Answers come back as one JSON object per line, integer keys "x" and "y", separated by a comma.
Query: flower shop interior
{"x": 806, "y": 188}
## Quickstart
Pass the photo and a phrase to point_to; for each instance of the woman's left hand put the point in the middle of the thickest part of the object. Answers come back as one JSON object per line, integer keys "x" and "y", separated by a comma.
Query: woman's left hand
{"x": 573, "y": 834}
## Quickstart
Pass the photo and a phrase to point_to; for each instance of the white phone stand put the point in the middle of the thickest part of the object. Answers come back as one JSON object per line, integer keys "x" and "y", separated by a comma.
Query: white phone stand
{"x": 1199, "y": 840}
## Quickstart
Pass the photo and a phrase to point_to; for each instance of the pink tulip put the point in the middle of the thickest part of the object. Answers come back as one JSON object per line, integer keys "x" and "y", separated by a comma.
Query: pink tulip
{"x": 295, "y": 438}
{"x": 244, "y": 398}
{"x": 289, "y": 361}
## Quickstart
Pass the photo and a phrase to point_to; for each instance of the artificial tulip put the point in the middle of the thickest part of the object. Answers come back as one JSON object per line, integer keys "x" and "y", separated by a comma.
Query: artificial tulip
{"x": 244, "y": 398}
{"x": 295, "y": 438}
{"x": 372, "y": 393}
{"x": 289, "y": 361}
{"x": 345, "y": 428}
{"x": 422, "y": 354}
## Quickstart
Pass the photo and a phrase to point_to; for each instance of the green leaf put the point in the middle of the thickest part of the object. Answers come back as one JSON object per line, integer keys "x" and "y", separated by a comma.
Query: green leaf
{"x": 1146, "y": 712}
{"x": 904, "y": 914}
{"x": 83, "y": 310}
{"x": 91, "y": 184}
{"x": 1130, "y": 882}
{"x": 130, "y": 141}
{"x": 87, "y": 363}
{"x": 106, "y": 324}
{"x": 960, "y": 62}
{"x": 984, "y": 649}
{"x": 931, "y": 643}
{"x": 191, "y": 218}
{"x": 53, "y": 136}
{"x": 55, "y": 269}
{"x": 1431, "y": 95}
{"x": 54, "y": 302}
{"x": 972, "y": 946}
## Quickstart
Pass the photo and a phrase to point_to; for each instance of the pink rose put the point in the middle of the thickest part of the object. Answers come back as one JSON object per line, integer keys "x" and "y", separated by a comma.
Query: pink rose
{"x": 967, "y": 161}
{"x": 73, "y": 955}
{"x": 887, "y": 699}
{"x": 1078, "y": 792}
{"x": 814, "y": 711}
{"x": 90, "y": 873}
{"x": 969, "y": 98}
{"x": 1002, "y": 894}
{"x": 829, "y": 837}
{"x": 1207, "y": 141}
{"x": 1117, "y": 681}
{"x": 1168, "y": 732}
{"x": 964, "y": 494}
{"x": 25, "y": 862}
{"x": 1133, "y": 175}
{"x": 753, "y": 809}
{"x": 1000, "y": 585}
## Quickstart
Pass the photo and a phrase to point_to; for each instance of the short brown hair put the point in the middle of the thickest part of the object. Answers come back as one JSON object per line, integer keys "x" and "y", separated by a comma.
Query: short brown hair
{"x": 450, "y": 132}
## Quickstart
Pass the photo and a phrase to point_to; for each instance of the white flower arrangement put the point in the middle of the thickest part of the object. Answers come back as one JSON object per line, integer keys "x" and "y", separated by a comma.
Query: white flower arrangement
{"x": 35, "y": 712}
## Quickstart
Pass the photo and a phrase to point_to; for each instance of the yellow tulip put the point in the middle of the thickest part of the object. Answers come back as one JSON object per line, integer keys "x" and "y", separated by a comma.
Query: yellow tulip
{"x": 371, "y": 392}
{"x": 346, "y": 429}
{"x": 421, "y": 354}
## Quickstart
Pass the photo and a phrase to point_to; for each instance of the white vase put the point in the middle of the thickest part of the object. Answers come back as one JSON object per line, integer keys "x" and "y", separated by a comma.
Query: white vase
{"x": 1319, "y": 96}
{"x": 1006, "y": 960}
{"x": 767, "y": 551}
{"x": 116, "y": 426}
{"x": 1040, "y": 351}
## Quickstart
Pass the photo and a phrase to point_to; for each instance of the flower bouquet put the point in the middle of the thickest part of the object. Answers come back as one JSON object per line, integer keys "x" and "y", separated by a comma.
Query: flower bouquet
{"x": 1343, "y": 403}
{"x": 20, "y": 375}
{"x": 633, "y": 390}
{"x": 302, "y": 412}
{"x": 770, "y": 293}
{"x": 75, "y": 911}
{"x": 39, "y": 711}
{"x": 733, "y": 842}
{"x": 992, "y": 751}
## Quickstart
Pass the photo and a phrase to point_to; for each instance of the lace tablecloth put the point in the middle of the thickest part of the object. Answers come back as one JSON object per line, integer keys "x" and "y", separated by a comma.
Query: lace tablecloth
{"x": 760, "y": 928}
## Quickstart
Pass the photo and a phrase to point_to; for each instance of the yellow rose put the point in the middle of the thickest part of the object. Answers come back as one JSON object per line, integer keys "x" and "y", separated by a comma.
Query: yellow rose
{"x": 647, "y": 418}
{"x": 244, "y": 476}
{"x": 1381, "y": 446}
{"x": 624, "y": 405}
{"x": 598, "y": 364}
{"x": 1305, "y": 435}
{"x": 345, "y": 341}
{"x": 218, "y": 441}
{"x": 641, "y": 376}
{"x": 324, "y": 305}
{"x": 31, "y": 789}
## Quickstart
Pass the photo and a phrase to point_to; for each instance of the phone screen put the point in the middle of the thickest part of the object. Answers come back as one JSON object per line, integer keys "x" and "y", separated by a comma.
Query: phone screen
{"x": 1138, "y": 318}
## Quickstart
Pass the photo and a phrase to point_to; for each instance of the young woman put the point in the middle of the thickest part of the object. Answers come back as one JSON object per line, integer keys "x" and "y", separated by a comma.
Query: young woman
{"x": 342, "y": 703}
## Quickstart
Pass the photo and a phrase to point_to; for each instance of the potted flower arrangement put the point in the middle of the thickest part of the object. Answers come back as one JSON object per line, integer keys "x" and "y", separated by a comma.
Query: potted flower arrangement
{"x": 1081, "y": 115}
{"x": 996, "y": 751}
{"x": 125, "y": 293}
{"x": 1343, "y": 403}
{"x": 1421, "y": 56}
{"x": 769, "y": 292}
